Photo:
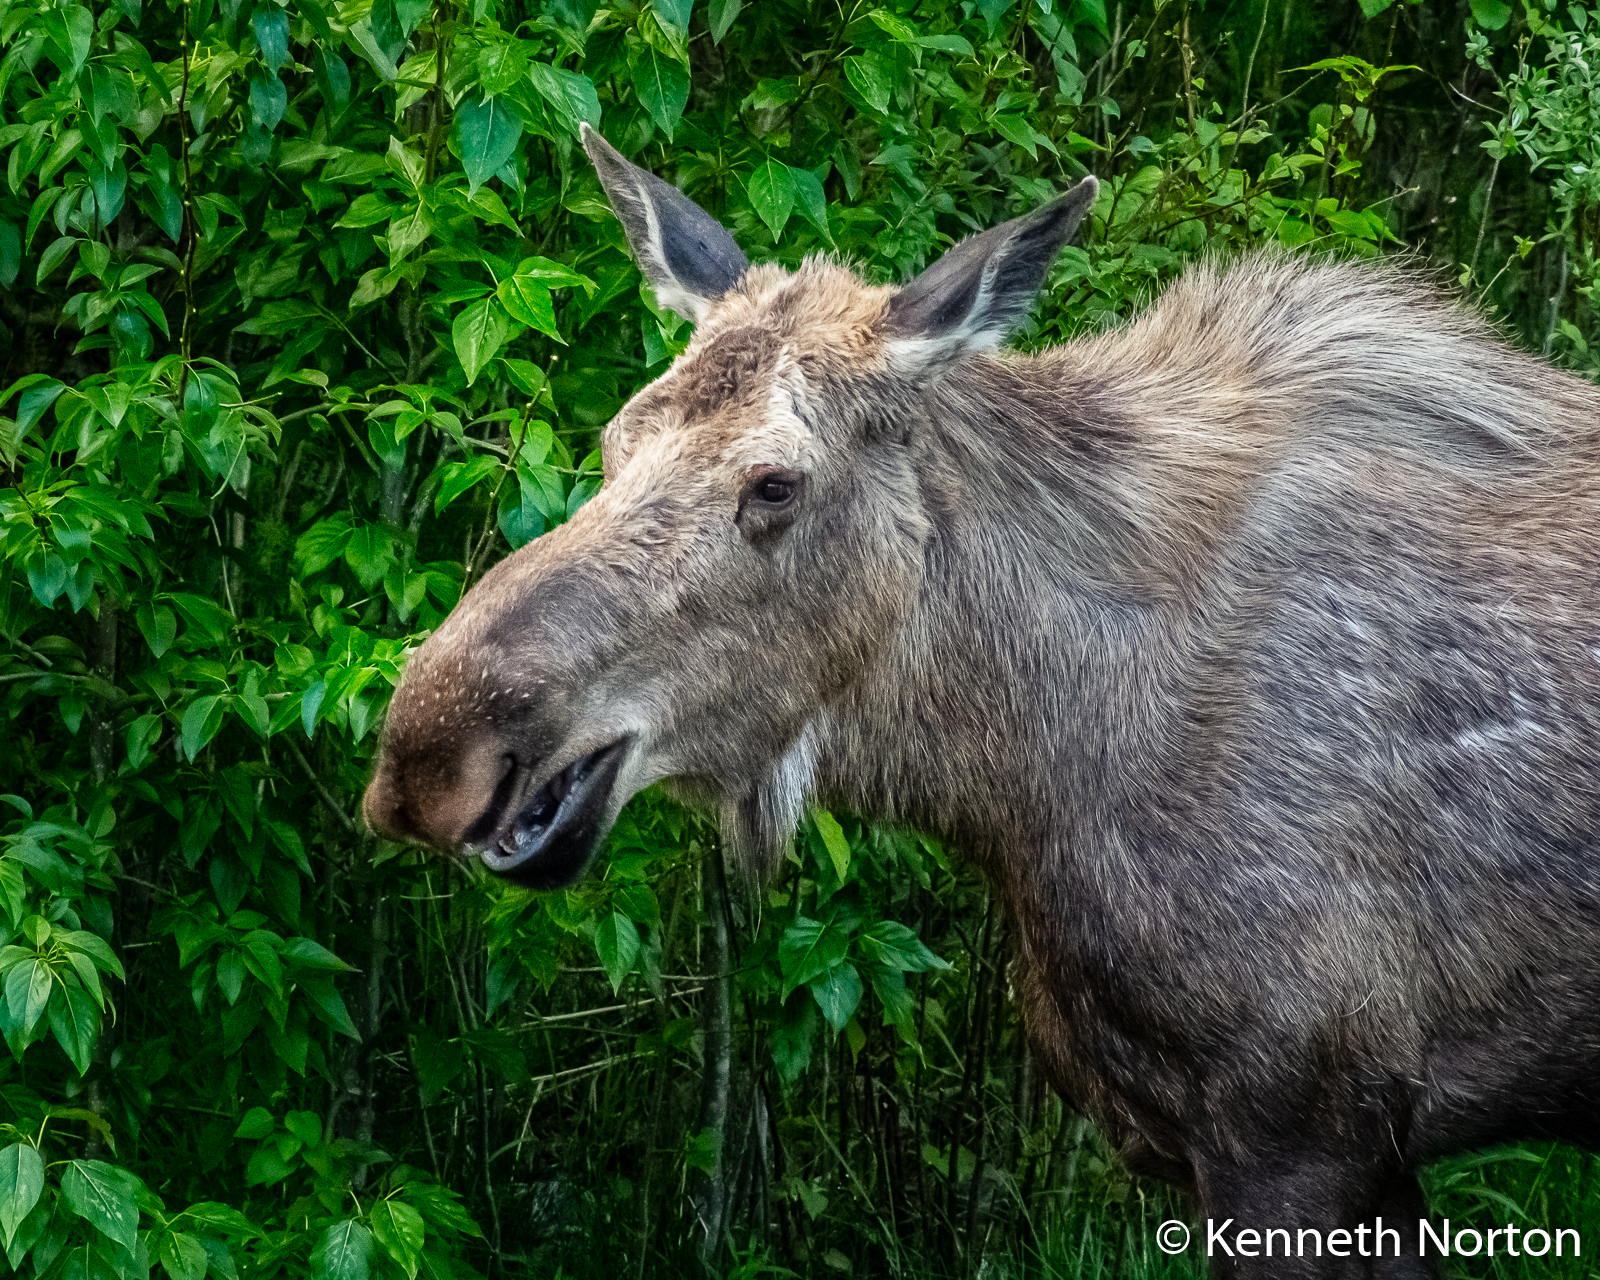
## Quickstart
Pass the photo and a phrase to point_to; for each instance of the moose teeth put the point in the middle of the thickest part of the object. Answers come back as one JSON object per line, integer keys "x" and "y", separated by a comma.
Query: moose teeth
{"x": 539, "y": 813}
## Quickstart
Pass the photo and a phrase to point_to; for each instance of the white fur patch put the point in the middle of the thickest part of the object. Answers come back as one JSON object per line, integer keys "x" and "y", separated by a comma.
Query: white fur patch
{"x": 782, "y": 438}
{"x": 793, "y": 781}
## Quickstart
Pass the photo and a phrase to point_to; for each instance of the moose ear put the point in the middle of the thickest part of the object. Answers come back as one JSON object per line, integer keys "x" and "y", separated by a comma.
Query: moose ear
{"x": 687, "y": 255}
{"x": 974, "y": 295}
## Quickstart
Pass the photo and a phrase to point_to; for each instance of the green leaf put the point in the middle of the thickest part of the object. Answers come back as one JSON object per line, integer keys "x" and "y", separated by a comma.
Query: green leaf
{"x": 406, "y": 591}
{"x": 411, "y": 13}
{"x": 400, "y": 1231}
{"x": 478, "y": 332}
{"x": 662, "y": 84}
{"x": 498, "y": 1051}
{"x": 201, "y": 720}
{"x": 269, "y": 99}
{"x": 541, "y": 486}
{"x": 519, "y": 518}
{"x": 311, "y": 705}
{"x": 90, "y": 945}
{"x": 457, "y": 477}
{"x": 674, "y": 15}
{"x": 793, "y": 1035}
{"x": 487, "y": 135}
{"x": 1491, "y": 14}
{"x": 266, "y": 1167}
{"x": 871, "y": 79}
{"x": 837, "y": 993}
{"x": 893, "y": 944}
{"x": 221, "y": 1217}
{"x": 368, "y": 209}
{"x": 899, "y": 1009}
{"x": 571, "y": 95}
{"x": 329, "y": 1005}
{"x": 103, "y": 1196}
{"x": 256, "y": 1124}
{"x": 183, "y": 1257}
{"x": 501, "y": 66}
{"x": 553, "y": 274}
{"x": 75, "y": 1022}
{"x": 500, "y": 984}
{"x": 703, "y": 1150}
{"x": 526, "y": 376}
{"x": 70, "y": 32}
{"x": 486, "y": 203}
{"x": 616, "y": 941}
{"x": 39, "y": 392}
{"x": 28, "y": 985}
{"x": 1372, "y": 8}
{"x": 54, "y": 255}
{"x": 720, "y": 15}
{"x": 21, "y": 1185}
{"x": 812, "y": 200}
{"x": 369, "y": 553}
{"x": 158, "y": 626}
{"x": 372, "y": 41}
{"x": 204, "y": 615}
{"x": 1014, "y": 128}
{"x": 944, "y": 44}
{"x": 271, "y": 27}
{"x": 528, "y": 302}
{"x": 409, "y": 230}
{"x": 343, "y": 1253}
{"x": 833, "y": 840}
{"x": 47, "y": 576}
{"x": 771, "y": 191}
{"x": 313, "y": 955}
{"x": 808, "y": 949}
{"x": 322, "y": 544}
{"x": 305, "y": 1125}
{"x": 230, "y": 975}
{"x": 438, "y": 1062}
{"x": 993, "y": 10}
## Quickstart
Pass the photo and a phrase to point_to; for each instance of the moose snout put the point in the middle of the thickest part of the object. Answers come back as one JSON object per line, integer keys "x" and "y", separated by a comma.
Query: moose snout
{"x": 438, "y": 794}
{"x": 384, "y": 813}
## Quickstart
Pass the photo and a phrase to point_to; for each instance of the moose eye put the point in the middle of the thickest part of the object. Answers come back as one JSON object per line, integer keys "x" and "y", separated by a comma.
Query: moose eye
{"x": 769, "y": 501}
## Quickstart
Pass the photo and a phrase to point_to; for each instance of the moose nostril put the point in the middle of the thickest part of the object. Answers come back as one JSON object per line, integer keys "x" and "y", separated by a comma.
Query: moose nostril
{"x": 384, "y": 814}
{"x": 484, "y": 827}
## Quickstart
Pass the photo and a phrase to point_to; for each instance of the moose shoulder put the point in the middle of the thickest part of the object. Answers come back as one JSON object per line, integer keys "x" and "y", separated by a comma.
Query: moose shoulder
{"x": 1250, "y": 649}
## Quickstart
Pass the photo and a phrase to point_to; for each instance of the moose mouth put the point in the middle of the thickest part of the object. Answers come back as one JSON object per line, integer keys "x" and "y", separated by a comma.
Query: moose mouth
{"x": 550, "y": 841}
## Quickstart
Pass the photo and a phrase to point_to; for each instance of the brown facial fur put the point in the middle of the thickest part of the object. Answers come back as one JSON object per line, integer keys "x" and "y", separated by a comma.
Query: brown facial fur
{"x": 1250, "y": 649}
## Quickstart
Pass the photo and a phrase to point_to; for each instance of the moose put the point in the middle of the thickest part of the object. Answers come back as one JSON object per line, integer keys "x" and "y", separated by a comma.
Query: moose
{"x": 1251, "y": 650}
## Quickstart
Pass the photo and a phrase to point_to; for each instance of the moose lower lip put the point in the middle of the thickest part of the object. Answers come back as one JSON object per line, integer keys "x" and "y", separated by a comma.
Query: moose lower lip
{"x": 551, "y": 839}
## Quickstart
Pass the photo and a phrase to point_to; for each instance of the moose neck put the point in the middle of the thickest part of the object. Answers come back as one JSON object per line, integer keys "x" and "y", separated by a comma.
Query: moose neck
{"x": 1029, "y": 688}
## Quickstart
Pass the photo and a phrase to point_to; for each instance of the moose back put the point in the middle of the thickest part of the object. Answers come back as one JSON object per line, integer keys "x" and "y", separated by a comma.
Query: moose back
{"x": 1251, "y": 650}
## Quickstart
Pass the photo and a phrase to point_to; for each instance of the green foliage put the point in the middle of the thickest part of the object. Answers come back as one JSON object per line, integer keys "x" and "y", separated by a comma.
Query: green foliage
{"x": 313, "y": 312}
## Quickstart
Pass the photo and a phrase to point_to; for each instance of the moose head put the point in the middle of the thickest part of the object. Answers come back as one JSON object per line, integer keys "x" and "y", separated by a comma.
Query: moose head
{"x": 757, "y": 549}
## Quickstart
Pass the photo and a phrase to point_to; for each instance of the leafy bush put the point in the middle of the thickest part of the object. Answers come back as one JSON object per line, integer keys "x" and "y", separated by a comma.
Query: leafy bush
{"x": 314, "y": 311}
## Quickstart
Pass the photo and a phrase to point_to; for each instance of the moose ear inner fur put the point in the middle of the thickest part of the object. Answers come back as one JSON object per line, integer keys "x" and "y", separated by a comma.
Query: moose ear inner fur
{"x": 689, "y": 258}
{"x": 977, "y": 293}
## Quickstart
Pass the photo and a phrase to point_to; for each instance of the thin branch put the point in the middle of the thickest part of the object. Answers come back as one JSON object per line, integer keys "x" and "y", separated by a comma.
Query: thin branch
{"x": 188, "y": 214}
{"x": 154, "y": 888}
{"x": 1483, "y": 222}
{"x": 323, "y": 793}
{"x": 1244, "y": 104}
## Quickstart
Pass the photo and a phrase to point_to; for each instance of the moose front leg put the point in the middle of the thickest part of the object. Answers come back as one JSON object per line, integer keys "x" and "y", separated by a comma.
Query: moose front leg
{"x": 1309, "y": 1219}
